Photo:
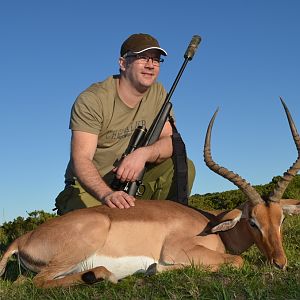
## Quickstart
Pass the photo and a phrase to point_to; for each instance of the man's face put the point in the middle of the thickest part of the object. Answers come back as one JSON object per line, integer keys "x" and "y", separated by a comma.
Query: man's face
{"x": 142, "y": 70}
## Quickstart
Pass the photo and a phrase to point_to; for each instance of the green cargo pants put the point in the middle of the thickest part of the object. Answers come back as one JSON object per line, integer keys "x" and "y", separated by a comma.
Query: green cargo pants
{"x": 158, "y": 184}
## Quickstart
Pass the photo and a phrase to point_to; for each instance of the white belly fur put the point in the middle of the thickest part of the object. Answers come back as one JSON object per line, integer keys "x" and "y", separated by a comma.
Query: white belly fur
{"x": 120, "y": 267}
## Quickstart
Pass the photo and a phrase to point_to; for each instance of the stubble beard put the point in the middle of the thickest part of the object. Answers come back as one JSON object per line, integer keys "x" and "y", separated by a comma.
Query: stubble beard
{"x": 145, "y": 82}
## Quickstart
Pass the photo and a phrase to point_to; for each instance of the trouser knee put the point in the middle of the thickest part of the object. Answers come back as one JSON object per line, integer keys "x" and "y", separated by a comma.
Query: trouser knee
{"x": 160, "y": 181}
{"x": 74, "y": 197}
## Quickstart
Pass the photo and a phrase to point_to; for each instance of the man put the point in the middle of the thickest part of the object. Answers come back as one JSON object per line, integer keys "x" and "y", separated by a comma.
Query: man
{"x": 103, "y": 119}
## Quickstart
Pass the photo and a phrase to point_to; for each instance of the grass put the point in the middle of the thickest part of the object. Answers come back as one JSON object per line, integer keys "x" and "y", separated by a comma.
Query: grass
{"x": 256, "y": 280}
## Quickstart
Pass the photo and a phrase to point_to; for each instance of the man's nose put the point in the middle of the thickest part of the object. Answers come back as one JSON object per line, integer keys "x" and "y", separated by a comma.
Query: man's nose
{"x": 149, "y": 62}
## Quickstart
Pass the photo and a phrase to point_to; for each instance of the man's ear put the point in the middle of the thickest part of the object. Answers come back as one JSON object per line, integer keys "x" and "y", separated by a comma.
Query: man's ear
{"x": 290, "y": 206}
{"x": 122, "y": 63}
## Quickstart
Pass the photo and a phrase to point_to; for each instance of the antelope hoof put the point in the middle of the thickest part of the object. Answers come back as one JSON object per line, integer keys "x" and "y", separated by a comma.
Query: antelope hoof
{"x": 112, "y": 278}
{"x": 20, "y": 280}
{"x": 152, "y": 270}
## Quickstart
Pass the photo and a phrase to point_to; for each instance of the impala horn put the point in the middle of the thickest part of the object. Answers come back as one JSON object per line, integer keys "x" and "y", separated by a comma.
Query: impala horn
{"x": 241, "y": 183}
{"x": 282, "y": 184}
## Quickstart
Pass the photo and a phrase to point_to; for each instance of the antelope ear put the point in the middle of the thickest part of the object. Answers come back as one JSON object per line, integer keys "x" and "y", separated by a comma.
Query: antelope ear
{"x": 227, "y": 220}
{"x": 290, "y": 206}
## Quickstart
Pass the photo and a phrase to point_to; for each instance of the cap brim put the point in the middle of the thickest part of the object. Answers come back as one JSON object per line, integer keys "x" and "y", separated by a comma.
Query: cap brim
{"x": 163, "y": 52}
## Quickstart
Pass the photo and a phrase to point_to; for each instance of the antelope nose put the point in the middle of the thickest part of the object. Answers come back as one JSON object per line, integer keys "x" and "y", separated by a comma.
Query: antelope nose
{"x": 280, "y": 264}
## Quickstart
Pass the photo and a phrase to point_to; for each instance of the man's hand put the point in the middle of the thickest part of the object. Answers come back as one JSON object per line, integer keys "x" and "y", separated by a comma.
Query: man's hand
{"x": 118, "y": 199}
{"x": 132, "y": 165}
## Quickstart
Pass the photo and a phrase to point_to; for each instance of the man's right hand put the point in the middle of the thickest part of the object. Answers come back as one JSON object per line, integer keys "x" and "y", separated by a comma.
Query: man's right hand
{"x": 118, "y": 199}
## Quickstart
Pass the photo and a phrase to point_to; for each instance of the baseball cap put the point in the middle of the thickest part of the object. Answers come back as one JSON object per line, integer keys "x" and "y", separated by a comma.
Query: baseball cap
{"x": 140, "y": 42}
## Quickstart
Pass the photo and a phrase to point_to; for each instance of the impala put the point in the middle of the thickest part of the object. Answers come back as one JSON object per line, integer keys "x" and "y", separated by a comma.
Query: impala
{"x": 88, "y": 245}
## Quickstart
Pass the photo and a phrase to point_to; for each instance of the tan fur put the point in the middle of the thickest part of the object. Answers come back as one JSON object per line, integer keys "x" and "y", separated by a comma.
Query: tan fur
{"x": 171, "y": 234}
{"x": 290, "y": 206}
{"x": 163, "y": 230}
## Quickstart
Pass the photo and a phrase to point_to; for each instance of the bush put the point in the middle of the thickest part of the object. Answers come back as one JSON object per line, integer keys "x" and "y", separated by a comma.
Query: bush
{"x": 233, "y": 198}
{"x": 9, "y": 231}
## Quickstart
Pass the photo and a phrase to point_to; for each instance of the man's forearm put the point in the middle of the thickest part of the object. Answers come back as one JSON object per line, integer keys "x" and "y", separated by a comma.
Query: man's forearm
{"x": 159, "y": 151}
{"x": 90, "y": 179}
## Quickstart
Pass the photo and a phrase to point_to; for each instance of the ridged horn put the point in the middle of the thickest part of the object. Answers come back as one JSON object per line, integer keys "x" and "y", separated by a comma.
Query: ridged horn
{"x": 287, "y": 177}
{"x": 241, "y": 183}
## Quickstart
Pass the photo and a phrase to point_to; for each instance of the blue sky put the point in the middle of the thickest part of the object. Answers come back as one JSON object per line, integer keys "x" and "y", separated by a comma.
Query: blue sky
{"x": 51, "y": 50}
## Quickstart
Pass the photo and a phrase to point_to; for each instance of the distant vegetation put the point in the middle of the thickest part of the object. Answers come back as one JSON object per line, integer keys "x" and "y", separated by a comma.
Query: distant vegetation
{"x": 233, "y": 198}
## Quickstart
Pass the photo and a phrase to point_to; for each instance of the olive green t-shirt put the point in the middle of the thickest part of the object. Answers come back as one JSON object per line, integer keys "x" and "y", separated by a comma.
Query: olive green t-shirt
{"x": 99, "y": 110}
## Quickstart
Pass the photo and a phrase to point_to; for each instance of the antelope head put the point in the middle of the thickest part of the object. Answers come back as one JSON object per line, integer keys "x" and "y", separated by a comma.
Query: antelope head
{"x": 262, "y": 217}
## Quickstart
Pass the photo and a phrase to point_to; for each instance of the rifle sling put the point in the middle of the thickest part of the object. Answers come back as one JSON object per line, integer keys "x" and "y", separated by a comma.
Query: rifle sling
{"x": 179, "y": 158}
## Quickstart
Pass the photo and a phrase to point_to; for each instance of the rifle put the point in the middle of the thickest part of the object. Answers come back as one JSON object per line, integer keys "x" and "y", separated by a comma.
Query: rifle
{"x": 142, "y": 137}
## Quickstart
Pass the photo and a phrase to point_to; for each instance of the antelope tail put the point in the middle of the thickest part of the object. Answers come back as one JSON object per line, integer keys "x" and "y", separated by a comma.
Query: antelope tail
{"x": 12, "y": 249}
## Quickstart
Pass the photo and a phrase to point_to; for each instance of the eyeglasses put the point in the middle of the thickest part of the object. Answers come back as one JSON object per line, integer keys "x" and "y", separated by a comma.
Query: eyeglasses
{"x": 142, "y": 59}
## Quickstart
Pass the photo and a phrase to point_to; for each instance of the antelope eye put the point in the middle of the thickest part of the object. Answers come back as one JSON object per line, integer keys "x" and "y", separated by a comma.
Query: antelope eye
{"x": 252, "y": 223}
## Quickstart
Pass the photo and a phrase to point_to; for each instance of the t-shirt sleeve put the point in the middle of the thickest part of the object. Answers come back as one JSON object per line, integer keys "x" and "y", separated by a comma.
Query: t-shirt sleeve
{"x": 87, "y": 113}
